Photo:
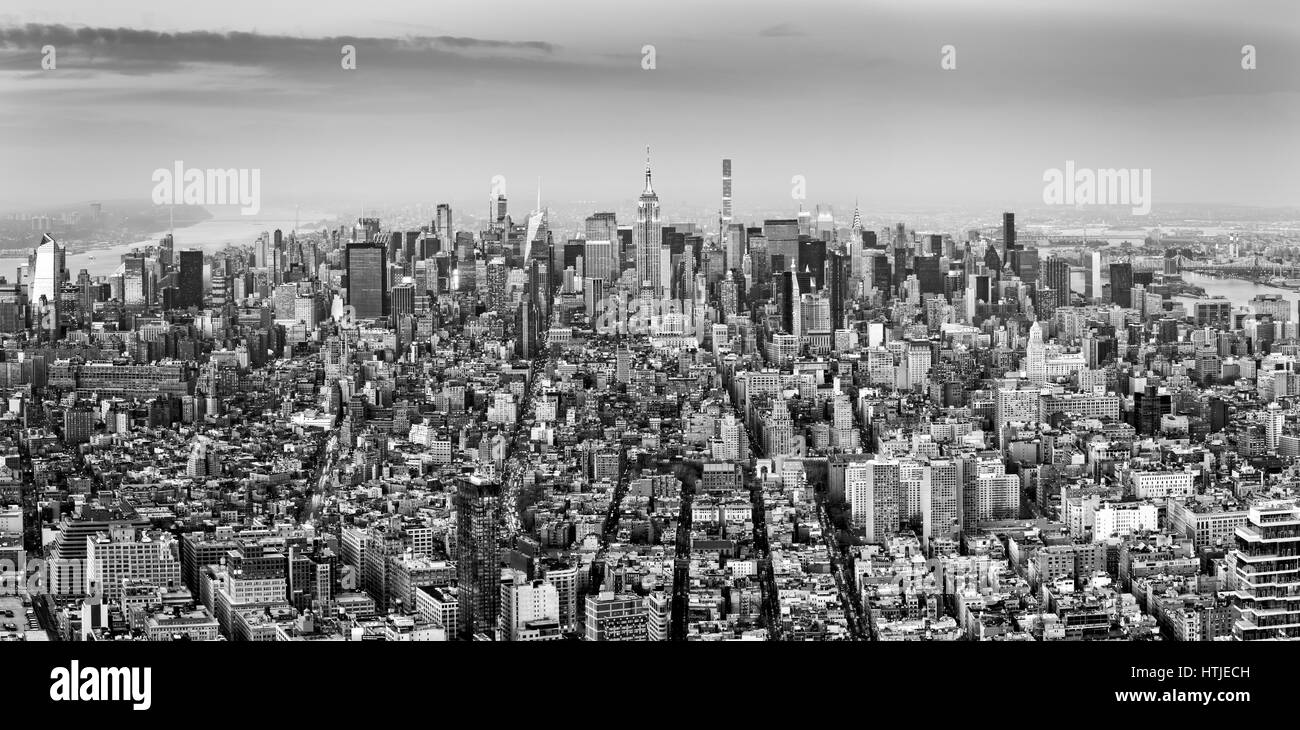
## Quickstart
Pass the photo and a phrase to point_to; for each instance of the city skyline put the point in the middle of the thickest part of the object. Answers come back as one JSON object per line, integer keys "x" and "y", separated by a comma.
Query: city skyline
{"x": 917, "y": 325}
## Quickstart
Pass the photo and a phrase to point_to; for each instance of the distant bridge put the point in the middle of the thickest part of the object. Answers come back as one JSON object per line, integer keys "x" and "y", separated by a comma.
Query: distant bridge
{"x": 1246, "y": 268}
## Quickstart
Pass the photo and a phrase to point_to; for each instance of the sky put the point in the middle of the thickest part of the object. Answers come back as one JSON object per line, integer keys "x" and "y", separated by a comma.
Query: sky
{"x": 850, "y": 95}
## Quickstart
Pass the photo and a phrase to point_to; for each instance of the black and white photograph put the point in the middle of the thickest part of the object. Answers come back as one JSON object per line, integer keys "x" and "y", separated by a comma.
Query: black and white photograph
{"x": 919, "y": 325}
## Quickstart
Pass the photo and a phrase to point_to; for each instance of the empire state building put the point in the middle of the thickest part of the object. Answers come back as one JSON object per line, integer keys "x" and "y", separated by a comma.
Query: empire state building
{"x": 647, "y": 236}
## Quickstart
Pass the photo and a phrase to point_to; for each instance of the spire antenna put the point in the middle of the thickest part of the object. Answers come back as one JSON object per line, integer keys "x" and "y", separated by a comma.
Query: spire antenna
{"x": 648, "y": 187}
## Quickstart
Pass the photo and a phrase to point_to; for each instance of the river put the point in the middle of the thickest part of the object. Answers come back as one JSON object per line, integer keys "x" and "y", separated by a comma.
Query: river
{"x": 1237, "y": 291}
{"x": 210, "y": 235}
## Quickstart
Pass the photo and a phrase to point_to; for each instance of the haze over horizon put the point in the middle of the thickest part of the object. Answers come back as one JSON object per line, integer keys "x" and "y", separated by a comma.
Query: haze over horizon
{"x": 851, "y": 96}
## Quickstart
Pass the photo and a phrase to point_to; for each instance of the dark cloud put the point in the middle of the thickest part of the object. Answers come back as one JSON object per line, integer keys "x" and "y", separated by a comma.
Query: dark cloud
{"x": 781, "y": 30}
{"x": 134, "y": 51}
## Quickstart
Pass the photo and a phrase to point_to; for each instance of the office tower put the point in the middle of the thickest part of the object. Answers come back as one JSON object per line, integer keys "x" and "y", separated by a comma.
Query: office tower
{"x": 1025, "y": 264}
{"x": 166, "y": 248}
{"x": 367, "y": 287}
{"x": 1121, "y": 284}
{"x": 191, "y": 279}
{"x": 1008, "y": 235}
{"x": 571, "y": 255}
{"x": 1215, "y": 312}
{"x": 935, "y": 247}
{"x": 442, "y": 227}
{"x": 1057, "y": 278}
{"x": 501, "y": 215}
{"x": 626, "y": 253}
{"x": 901, "y": 257}
{"x": 135, "y": 281}
{"x": 647, "y": 237}
{"x": 837, "y": 286}
{"x": 601, "y": 227}
{"x": 726, "y": 193}
{"x": 812, "y": 260}
{"x": 1094, "y": 276}
{"x": 928, "y": 274}
{"x": 782, "y": 237}
{"x": 1035, "y": 355}
{"x": 598, "y": 260}
{"x": 979, "y": 290}
{"x": 814, "y": 314}
{"x": 786, "y": 291}
{"x": 880, "y": 278}
{"x": 464, "y": 248}
{"x": 478, "y": 571}
{"x": 366, "y": 231}
{"x": 735, "y": 245}
{"x": 402, "y": 300}
{"x": 47, "y": 268}
{"x": 496, "y": 284}
{"x": 1263, "y": 585}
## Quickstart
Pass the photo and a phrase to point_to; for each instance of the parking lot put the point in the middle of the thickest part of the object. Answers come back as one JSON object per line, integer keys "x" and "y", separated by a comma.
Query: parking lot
{"x": 16, "y": 623}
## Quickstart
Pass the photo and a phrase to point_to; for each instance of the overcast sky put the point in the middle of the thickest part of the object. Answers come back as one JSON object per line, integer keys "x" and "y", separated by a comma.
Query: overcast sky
{"x": 849, "y": 94}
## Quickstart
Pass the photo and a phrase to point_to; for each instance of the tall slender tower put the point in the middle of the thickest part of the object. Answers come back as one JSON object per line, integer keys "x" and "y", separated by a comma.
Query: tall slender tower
{"x": 443, "y": 227}
{"x": 726, "y": 193}
{"x": 1008, "y": 236}
{"x": 647, "y": 235}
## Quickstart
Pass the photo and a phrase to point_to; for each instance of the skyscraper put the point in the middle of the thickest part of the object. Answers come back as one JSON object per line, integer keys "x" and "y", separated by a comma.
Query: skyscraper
{"x": 1035, "y": 355}
{"x": 598, "y": 260}
{"x": 135, "y": 281}
{"x": 726, "y": 193}
{"x": 1008, "y": 235}
{"x": 478, "y": 571}
{"x": 837, "y": 276}
{"x": 1094, "y": 275}
{"x": 443, "y": 226}
{"x": 647, "y": 236}
{"x": 191, "y": 280}
{"x": 735, "y": 245}
{"x": 812, "y": 259}
{"x": 601, "y": 227}
{"x": 47, "y": 277}
{"x": 1057, "y": 279}
{"x": 1121, "y": 284}
{"x": 782, "y": 237}
{"x": 367, "y": 280}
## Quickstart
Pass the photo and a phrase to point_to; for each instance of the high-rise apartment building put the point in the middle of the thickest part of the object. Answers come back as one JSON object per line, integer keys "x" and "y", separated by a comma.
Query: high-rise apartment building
{"x": 478, "y": 572}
